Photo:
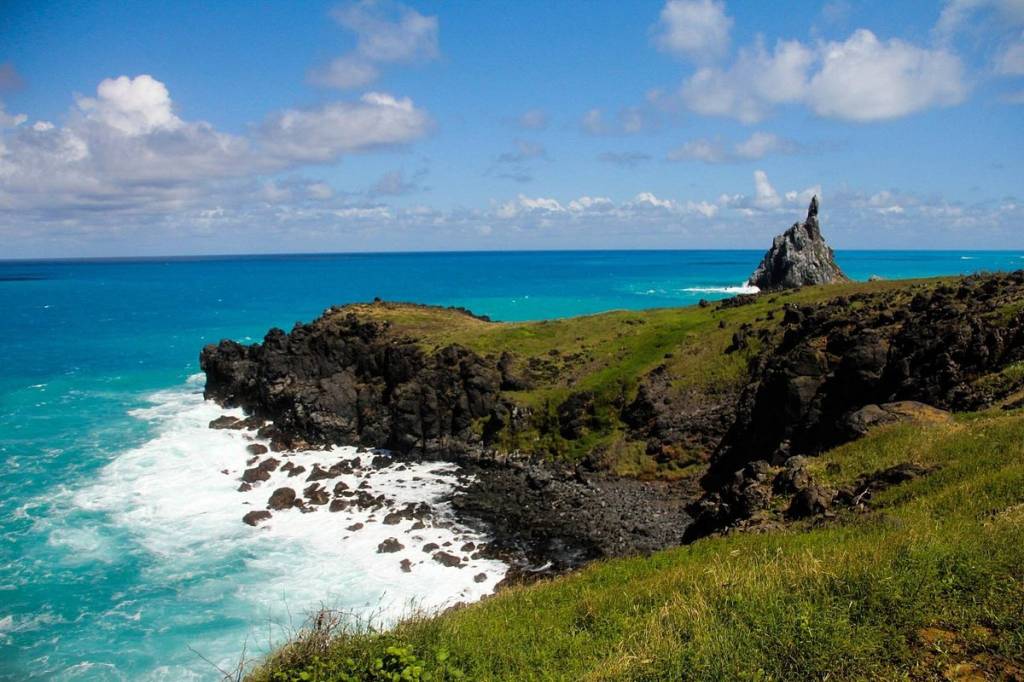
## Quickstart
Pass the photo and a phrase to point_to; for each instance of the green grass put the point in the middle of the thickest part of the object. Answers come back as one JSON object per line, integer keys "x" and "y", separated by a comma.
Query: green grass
{"x": 609, "y": 353}
{"x": 929, "y": 582}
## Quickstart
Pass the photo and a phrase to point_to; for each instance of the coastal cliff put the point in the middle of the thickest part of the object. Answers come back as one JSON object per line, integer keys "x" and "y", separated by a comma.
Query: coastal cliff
{"x": 846, "y": 463}
{"x": 607, "y": 435}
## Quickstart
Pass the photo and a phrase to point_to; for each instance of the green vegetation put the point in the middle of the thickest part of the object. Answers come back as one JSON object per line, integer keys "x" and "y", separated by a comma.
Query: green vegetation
{"x": 607, "y": 354}
{"x": 926, "y": 582}
{"x": 929, "y": 582}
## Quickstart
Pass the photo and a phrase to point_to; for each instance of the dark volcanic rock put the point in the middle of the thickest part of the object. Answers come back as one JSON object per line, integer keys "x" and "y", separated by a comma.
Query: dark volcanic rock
{"x": 570, "y": 518}
{"x": 840, "y": 369}
{"x": 446, "y": 559}
{"x": 225, "y": 422}
{"x": 346, "y": 380}
{"x": 256, "y": 449}
{"x": 798, "y": 257}
{"x": 260, "y": 472}
{"x": 255, "y": 517}
{"x": 389, "y": 546}
{"x": 282, "y": 498}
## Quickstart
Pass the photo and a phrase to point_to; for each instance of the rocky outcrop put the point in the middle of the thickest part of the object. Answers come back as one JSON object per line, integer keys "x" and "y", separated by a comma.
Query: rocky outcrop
{"x": 848, "y": 365}
{"x": 346, "y": 380}
{"x": 798, "y": 257}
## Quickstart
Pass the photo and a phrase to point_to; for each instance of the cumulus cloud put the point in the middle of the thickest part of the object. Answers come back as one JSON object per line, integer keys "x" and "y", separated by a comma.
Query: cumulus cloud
{"x": 860, "y": 79}
{"x": 865, "y": 79}
{"x": 386, "y": 33}
{"x": 325, "y": 133}
{"x": 133, "y": 106}
{"x": 757, "y": 81}
{"x": 125, "y": 149}
{"x": 698, "y": 29}
{"x": 757, "y": 146}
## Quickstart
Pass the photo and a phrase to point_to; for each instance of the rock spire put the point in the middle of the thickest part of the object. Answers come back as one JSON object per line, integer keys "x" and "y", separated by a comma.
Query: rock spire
{"x": 798, "y": 257}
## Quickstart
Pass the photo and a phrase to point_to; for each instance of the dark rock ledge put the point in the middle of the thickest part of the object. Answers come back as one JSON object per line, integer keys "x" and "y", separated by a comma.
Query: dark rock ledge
{"x": 345, "y": 380}
{"x": 826, "y": 374}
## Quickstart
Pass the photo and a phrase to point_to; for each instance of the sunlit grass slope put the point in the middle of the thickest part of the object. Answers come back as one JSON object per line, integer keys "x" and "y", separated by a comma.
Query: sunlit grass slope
{"x": 926, "y": 584}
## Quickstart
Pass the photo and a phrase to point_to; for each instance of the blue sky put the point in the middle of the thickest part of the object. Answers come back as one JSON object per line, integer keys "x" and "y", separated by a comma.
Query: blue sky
{"x": 237, "y": 127}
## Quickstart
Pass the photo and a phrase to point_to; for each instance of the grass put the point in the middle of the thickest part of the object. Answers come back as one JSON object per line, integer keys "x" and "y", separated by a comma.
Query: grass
{"x": 928, "y": 583}
{"x": 609, "y": 353}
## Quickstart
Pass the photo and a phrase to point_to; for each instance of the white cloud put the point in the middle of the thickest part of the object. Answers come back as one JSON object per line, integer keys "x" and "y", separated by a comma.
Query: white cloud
{"x": 593, "y": 122}
{"x": 1010, "y": 61}
{"x": 956, "y": 14}
{"x": 757, "y": 146}
{"x": 765, "y": 196}
{"x": 861, "y": 79}
{"x": 865, "y": 79}
{"x": 698, "y": 29}
{"x": 586, "y": 203}
{"x": 534, "y": 119}
{"x": 10, "y": 120}
{"x": 708, "y": 151}
{"x": 760, "y": 144}
{"x": 629, "y": 121}
{"x": 345, "y": 73}
{"x": 320, "y": 191}
{"x": 326, "y": 132}
{"x": 133, "y": 106}
{"x": 524, "y": 204}
{"x": 386, "y": 33}
{"x": 125, "y": 150}
{"x": 756, "y": 82}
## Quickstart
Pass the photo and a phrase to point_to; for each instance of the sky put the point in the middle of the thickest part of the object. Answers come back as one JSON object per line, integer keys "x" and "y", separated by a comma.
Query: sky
{"x": 144, "y": 128}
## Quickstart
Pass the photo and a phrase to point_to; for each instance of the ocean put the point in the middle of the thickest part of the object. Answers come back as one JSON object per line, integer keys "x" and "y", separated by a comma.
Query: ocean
{"x": 124, "y": 556}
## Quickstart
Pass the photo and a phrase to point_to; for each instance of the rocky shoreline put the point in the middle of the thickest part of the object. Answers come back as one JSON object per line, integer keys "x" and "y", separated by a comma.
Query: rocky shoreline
{"x": 825, "y": 374}
{"x": 542, "y": 474}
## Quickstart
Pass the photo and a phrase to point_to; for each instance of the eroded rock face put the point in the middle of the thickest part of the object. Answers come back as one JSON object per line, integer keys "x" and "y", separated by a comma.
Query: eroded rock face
{"x": 846, "y": 365}
{"x": 798, "y": 257}
{"x": 341, "y": 379}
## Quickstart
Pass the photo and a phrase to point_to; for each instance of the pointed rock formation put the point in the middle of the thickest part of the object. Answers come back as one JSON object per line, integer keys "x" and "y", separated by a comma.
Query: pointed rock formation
{"x": 798, "y": 257}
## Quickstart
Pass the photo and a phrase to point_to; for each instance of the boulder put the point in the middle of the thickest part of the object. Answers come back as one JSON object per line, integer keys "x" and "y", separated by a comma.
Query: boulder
{"x": 255, "y": 517}
{"x": 798, "y": 257}
{"x": 446, "y": 559}
{"x": 390, "y": 546}
{"x": 282, "y": 498}
{"x": 861, "y": 421}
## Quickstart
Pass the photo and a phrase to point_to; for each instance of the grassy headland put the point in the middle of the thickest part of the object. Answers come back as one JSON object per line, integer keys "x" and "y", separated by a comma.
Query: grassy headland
{"x": 928, "y": 583}
{"x": 924, "y": 581}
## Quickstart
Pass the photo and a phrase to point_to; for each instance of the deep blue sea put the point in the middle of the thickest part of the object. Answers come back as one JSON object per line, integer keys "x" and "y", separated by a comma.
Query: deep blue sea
{"x": 122, "y": 555}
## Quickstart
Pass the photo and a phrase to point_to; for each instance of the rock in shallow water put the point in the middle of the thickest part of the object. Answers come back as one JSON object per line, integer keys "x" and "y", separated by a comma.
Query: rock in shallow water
{"x": 255, "y": 517}
{"x": 390, "y": 546}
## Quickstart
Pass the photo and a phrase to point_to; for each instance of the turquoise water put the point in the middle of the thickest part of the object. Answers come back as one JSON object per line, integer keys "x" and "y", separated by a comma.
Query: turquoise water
{"x": 111, "y": 567}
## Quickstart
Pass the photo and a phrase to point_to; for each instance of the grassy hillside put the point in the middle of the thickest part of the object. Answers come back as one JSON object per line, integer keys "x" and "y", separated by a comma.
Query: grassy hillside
{"x": 608, "y": 354}
{"x": 925, "y": 582}
{"x": 928, "y": 583}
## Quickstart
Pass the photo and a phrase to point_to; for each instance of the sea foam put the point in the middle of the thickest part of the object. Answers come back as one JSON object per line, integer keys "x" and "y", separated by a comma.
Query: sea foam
{"x": 741, "y": 289}
{"x": 177, "y": 497}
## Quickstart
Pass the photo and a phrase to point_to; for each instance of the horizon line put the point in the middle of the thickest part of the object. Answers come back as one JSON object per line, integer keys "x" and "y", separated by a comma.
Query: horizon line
{"x": 303, "y": 254}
